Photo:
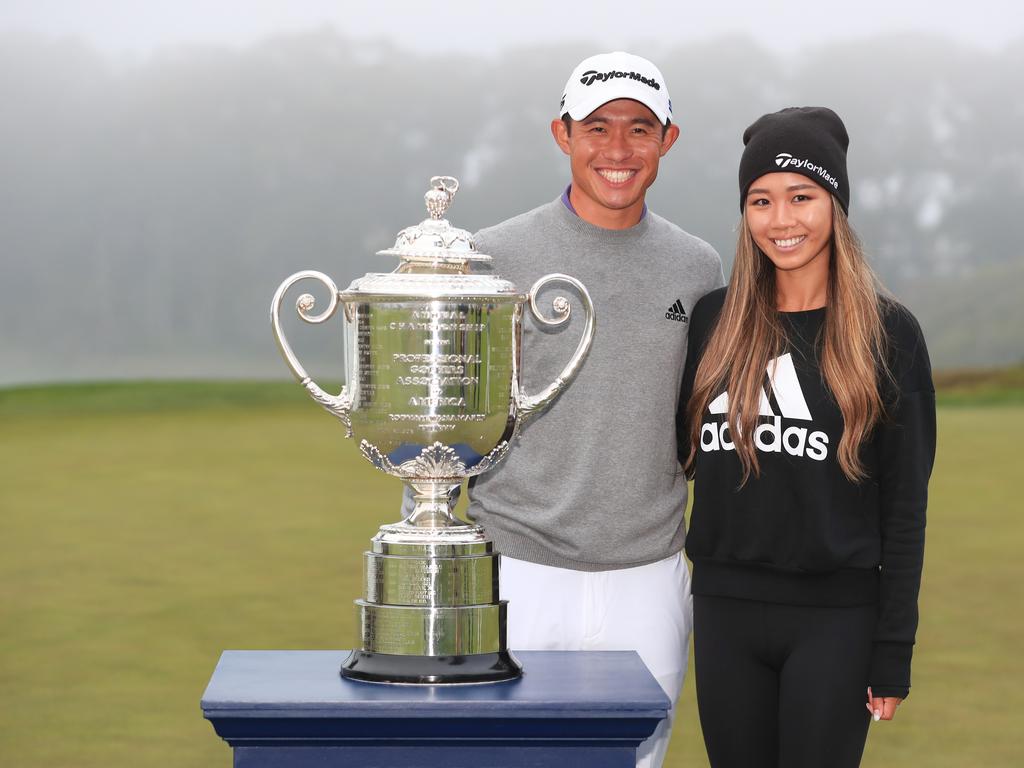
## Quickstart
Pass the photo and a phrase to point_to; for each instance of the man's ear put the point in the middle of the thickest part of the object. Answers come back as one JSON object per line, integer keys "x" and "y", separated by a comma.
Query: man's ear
{"x": 561, "y": 134}
{"x": 671, "y": 134}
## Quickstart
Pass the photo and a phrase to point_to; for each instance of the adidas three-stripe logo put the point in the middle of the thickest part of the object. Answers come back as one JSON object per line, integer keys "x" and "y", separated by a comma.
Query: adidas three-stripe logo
{"x": 676, "y": 312}
{"x": 786, "y": 395}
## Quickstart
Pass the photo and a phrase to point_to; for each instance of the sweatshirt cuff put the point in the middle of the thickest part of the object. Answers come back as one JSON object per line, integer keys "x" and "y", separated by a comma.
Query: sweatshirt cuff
{"x": 889, "y": 674}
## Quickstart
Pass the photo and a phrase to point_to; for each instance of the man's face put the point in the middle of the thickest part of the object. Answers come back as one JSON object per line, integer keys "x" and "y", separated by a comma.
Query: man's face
{"x": 613, "y": 153}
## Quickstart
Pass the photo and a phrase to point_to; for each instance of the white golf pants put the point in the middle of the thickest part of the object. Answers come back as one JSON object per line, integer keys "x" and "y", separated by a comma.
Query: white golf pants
{"x": 647, "y": 609}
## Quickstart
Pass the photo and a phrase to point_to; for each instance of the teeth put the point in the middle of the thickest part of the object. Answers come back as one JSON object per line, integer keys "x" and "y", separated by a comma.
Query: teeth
{"x": 617, "y": 177}
{"x": 790, "y": 242}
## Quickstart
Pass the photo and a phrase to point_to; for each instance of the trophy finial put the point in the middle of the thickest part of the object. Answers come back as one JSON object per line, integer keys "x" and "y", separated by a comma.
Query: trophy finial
{"x": 439, "y": 197}
{"x": 434, "y": 245}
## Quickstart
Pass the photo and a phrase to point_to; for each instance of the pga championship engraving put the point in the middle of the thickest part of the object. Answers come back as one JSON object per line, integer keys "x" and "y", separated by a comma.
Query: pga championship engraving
{"x": 433, "y": 395}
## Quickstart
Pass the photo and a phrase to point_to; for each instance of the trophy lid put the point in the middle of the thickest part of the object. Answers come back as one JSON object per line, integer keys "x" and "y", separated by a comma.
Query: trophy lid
{"x": 434, "y": 241}
{"x": 435, "y": 259}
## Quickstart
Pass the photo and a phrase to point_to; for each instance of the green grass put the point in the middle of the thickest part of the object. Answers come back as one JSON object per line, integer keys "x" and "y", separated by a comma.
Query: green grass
{"x": 980, "y": 386}
{"x": 94, "y": 398}
{"x": 144, "y": 528}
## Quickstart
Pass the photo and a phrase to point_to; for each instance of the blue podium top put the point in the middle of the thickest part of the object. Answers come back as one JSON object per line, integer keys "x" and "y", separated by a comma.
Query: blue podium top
{"x": 555, "y": 684}
{"x": 571, "y": 709}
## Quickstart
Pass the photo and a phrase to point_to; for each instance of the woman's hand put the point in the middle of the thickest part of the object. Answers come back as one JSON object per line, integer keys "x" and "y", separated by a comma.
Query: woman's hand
{"x": 882, "y": 707}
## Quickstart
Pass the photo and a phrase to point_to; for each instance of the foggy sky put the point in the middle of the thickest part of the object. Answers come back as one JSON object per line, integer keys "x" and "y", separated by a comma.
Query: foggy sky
{"x": 155, "y": 197}
{"x": 141, "y": 26}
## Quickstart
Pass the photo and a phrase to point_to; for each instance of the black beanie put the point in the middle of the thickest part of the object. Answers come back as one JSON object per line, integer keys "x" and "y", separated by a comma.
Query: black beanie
{"x": 811, "y": 141}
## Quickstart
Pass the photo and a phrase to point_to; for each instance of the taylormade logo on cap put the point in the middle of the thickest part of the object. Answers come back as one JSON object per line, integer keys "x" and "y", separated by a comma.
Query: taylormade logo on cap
{"x": 610, "y": 76}
{"x": 785, "y": 160}
{"x": 591, "y": 76}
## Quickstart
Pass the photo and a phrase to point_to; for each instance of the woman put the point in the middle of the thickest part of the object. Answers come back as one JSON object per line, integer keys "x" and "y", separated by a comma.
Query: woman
{"x": 808, "y": 424}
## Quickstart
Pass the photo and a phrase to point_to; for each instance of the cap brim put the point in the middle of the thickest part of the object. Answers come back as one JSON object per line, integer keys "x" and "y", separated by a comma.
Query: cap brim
{"x": 581, "y": 109}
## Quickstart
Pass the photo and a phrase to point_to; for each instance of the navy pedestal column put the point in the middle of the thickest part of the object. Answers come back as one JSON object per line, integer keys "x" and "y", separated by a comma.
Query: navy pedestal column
{"x": 570, "y": 709}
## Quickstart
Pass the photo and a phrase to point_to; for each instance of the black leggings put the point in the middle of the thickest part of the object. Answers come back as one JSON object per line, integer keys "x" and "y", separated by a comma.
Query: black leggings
{"x": 782, "y": 685}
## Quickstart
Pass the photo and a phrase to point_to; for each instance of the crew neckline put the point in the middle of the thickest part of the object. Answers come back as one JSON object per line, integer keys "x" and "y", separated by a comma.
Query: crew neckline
{"x": 568, "y": 204}
{"x": 584, "y": 227}
{"x": 803, "y": 312}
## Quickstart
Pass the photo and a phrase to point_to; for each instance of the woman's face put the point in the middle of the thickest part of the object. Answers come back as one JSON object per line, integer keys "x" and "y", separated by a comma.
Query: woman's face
{"x": 790, "y": 219}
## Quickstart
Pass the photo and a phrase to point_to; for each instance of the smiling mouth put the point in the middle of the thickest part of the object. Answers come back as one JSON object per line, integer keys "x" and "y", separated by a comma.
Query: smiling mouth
{"x": 789, "y": 242}
{"x": 617, "y": 176}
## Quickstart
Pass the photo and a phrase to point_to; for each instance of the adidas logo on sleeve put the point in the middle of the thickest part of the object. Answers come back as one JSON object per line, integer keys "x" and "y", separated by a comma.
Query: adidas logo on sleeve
{"x": 784, "y": 404}
{"x": 676, "y": 312}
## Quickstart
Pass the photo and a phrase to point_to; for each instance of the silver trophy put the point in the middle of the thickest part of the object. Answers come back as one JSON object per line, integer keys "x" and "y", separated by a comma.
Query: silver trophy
{"x": 432, "y": 393}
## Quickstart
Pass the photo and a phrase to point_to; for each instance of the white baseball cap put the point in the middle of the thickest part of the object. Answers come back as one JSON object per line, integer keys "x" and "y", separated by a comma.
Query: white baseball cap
{"x": 618, "y": 75}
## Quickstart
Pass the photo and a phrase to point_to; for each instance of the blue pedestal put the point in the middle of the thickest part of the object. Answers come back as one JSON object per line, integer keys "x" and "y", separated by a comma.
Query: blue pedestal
{"x": 570, "y": 709}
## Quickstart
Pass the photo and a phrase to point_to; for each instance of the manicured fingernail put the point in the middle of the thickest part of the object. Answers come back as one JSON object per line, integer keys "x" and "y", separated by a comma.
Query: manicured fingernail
{"x": 878, "y": 715}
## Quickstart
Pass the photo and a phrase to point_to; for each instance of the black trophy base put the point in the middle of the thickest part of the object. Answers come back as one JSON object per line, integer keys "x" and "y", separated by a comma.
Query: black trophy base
{"x": 431, "y": 670}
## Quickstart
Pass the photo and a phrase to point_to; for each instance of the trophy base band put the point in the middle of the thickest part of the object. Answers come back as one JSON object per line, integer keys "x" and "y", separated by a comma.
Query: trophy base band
{"x": 431, "y": 612}
{"x": 405, "y": 630}
{"x": 390, "y": 668}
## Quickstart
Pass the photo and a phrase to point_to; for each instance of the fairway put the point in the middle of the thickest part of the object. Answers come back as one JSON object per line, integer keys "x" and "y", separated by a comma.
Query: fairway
{"x": 145, "y": 528}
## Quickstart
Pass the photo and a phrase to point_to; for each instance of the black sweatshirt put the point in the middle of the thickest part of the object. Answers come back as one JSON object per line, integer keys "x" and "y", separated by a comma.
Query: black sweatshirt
{"x": 801, "y": 533}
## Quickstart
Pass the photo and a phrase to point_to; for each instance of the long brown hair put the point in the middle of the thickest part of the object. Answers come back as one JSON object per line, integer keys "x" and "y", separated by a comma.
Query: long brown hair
{"x": 749, "y": 334}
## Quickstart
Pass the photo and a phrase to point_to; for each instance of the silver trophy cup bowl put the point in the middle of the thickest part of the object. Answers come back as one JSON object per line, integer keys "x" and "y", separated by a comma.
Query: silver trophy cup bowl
{"x": 432, "y": 393}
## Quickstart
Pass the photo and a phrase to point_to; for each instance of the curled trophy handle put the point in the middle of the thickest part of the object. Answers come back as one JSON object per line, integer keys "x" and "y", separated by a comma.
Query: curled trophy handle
{"x": 337, "y": 405}
{"x": 531, "y": 404}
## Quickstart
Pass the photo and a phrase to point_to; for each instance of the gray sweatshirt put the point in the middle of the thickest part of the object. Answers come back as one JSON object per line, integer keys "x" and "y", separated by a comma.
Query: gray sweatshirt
{"x": 593, "y": 482}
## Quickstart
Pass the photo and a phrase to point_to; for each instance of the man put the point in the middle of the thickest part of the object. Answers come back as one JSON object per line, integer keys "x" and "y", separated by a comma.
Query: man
{"x": 587, "y": 509}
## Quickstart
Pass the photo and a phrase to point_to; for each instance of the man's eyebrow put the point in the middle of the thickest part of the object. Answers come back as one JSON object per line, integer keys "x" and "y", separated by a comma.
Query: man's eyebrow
{"x": 600, "y": 119}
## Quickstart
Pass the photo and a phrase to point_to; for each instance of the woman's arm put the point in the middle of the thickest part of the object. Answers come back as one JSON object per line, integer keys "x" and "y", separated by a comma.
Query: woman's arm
{"x": 906, "y": 452}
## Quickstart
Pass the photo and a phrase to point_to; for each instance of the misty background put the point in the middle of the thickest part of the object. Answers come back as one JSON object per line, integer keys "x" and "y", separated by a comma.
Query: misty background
{"x": 153, "y": 195}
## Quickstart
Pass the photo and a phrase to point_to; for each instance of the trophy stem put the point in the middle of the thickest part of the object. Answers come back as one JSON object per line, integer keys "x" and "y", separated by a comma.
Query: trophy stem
{"x": 434, "y": 504}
